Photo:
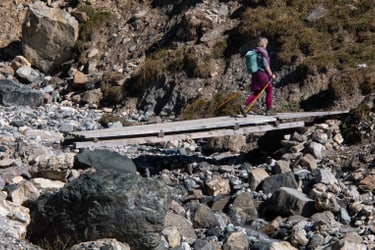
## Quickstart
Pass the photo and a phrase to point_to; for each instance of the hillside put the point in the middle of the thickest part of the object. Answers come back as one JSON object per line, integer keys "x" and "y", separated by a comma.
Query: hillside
{"x": 179, "y": 58}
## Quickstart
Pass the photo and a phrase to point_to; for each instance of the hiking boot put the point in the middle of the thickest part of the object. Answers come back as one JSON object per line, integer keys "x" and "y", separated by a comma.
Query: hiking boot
{"x": 270, "y": 112}
{"x": 243, "y": 110}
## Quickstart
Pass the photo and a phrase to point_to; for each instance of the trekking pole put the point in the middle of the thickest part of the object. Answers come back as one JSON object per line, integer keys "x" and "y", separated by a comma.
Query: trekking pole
{"x": 257, "y": 96}
{"x": 234, "y": 95}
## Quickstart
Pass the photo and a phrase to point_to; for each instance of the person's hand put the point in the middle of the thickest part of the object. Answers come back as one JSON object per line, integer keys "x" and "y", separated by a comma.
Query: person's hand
{"x": 273, "y": 76}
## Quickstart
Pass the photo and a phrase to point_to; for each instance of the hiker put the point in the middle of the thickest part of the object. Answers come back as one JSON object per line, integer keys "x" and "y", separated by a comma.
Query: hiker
{"x": 260, "y": 78}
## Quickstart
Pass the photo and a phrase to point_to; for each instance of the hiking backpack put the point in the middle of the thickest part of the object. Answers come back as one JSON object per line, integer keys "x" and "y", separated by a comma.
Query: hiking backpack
{"x": 251, "y": 58}
{"x": 254, "y": 60}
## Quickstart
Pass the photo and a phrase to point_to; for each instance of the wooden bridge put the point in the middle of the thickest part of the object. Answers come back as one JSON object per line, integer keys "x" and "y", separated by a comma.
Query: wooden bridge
{"x": 194, "y": 129}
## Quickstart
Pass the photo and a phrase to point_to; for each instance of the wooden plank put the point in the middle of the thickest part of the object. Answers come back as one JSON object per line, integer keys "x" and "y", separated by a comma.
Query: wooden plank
{"x": 173, "y": 127}
{"x": 185, "y": 136}
{"x": 300, "y": 115}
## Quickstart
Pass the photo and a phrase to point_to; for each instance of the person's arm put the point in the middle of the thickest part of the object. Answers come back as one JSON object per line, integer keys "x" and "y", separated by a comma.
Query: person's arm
{"x": 269, "y": 72}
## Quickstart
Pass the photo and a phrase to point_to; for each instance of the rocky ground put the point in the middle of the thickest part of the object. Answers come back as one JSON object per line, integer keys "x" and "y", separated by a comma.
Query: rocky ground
{"x": 301, "y": 189}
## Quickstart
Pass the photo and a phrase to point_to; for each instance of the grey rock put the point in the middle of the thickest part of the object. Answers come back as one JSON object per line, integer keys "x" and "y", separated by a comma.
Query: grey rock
{"x": 103, "y": 159}
{"x": 13, "y": 93}
{"x": 288, "y": 201}
{"x": 274, "y": 182}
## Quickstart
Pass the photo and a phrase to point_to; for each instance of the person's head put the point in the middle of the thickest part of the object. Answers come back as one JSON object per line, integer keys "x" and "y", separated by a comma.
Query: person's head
{"x": 262, "y": 42}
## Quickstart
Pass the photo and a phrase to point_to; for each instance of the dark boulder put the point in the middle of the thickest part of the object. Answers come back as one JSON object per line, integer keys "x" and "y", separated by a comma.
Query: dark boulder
{"x": 102, "y": 159}
{"x": 105, "y": 204}
{"x": 13, "y": 93}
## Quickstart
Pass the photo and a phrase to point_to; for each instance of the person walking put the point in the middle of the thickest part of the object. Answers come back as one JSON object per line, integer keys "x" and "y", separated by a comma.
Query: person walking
{"x": 261, "y": 78}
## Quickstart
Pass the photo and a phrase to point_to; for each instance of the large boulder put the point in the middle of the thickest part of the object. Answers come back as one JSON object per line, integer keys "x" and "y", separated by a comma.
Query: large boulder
{"x": 105, "y": 204}
{"x": 13, "y": 93}
{"x": 104, "y": 159}
{"x": 48, "y": 36}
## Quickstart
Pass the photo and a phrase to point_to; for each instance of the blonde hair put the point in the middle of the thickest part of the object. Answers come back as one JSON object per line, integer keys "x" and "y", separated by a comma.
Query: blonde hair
{"x": 262, "y": 41}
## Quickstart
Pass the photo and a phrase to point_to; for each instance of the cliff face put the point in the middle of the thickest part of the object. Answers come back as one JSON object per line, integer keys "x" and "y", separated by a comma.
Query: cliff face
{"x": 157, "y": 57}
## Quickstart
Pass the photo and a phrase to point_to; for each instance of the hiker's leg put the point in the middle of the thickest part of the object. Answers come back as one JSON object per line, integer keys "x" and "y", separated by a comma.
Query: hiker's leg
{"x": 269, "y": 96}
{"x": 251, "y": 97}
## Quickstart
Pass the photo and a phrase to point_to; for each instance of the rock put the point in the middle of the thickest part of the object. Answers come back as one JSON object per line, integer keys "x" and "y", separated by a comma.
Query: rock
{"x": 242, "y": 211}
{"x": 13, "y": 93}
{"x": 172, "y": 235}
{"x": 218, "y": 186}
{"x": 282, "y": 245}
{"x": 184, "y": 227}
{"x": 28, "y": 75}
{"x": 236, "y": 241}
{"x": 274, "y": 182}
{"x": 103, "y": 160}
{"x": 8, "y": 241}
{"x": 101, "y": 244}
{"x": 48, "y": 36}
{"x": 256, "y": 176}
{"x": 20, "y": 192}
{"x": 308, "y": 161}
{"x": 325, "y": 176}
{"x": 288, "y": 201}
{"x": 368, "y": 183}
{"x": 316, "y": 149}
{"x": 204, "y": 217}
{"x": 14, "y": 218}
{"x": 102, "y": 205}
{"x": 232, "y": 143}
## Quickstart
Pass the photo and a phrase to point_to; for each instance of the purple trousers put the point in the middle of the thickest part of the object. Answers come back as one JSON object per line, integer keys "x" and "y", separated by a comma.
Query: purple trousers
{"x": 258, "y": 81}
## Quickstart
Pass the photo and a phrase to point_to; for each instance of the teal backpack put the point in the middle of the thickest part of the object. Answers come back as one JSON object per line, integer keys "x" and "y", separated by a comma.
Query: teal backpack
{"x": 251, "y": 58}
{"x": 254, "y": 60}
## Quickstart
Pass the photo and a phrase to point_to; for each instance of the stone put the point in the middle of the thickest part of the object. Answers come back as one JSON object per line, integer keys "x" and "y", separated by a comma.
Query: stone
{"x": 172, "y": 235}
{"x": 308, "y": 161}
{"x": 104, "y": 204}
{"x": 101, "y": 244}
{"x": 45, "y": 49}
{"x": 274, "y": 182}
{"x": 184, "y": 226}
{"x": 236, "y": 241}
{"x": 288, "y": 201}
{"x": 218, "y": 186}
{"x": 204, "y": 217}
{"x": 282, "y": 166}
{"x": 368, "y": 183}
{"x": 13, "y": 93}
{"x": 104, "y": 159}
{"x": 256, "y": 176}
{"x": 242, "y": 210}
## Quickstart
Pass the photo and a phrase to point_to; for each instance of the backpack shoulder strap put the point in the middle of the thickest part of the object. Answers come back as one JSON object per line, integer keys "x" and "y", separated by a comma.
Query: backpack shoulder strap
{"x": 263, "y": 54}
